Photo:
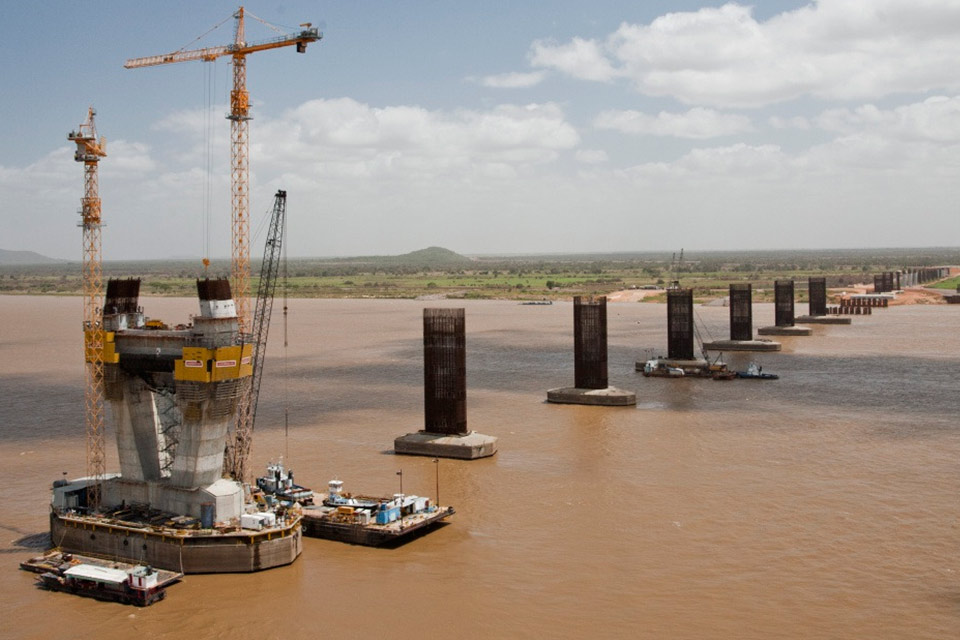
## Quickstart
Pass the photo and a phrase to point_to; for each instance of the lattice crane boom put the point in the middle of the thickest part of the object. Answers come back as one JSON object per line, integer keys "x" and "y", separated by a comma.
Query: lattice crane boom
{"x": 239, "y": 138}
{"x": 90, "y": 149}
{"x": 238, "y": 452}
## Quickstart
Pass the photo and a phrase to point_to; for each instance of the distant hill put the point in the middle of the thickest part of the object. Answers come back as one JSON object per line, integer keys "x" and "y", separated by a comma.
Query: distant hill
{"x": 8, "y": 257}
{"x": 431, "y": 256}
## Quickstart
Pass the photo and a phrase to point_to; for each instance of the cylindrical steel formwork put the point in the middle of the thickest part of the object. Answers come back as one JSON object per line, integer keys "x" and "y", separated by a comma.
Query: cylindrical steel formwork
{"x": 887, "y": 281}
{"x": 680, "y": 324}
{"x": 741, "y": 312}
{"x": 817, "y": 290}
{"x": 878, "y": 283}
{"x": 783, "y": 303}
{"x": 590, "y": 342}
{"x": 444, "y": 371}
{"x": 122, "y": 296}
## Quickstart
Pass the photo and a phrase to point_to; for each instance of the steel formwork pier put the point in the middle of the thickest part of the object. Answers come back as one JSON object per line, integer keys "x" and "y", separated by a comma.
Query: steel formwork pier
{"x": 680, "y": 324}
{"x": 445, "y": 371}
{"x": 445, "y": 433}
{"x": 817, "y": 290}
{"x": 590, "y": 342}
{"x": 741, "y": 311}
{"x": 783, "y": 303}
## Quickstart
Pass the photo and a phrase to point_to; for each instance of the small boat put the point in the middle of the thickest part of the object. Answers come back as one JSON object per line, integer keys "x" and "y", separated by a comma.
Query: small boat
{"x": 138, "y": 585}
{"x": 719, "y": 370}
{"x": 658, "y": 368}
{"x": 754, "y": 372}
{"x": 279, "y": 483}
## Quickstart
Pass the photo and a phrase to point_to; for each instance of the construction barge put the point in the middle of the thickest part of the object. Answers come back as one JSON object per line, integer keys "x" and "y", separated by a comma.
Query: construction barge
{"x": 181, "y": 544}
{"x": 109, "y": 580}
{"x": 343, "y": 517}
{"x": 326, "y": 523}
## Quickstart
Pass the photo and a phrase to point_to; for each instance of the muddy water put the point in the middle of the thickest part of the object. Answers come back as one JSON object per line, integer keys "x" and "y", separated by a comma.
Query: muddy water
{"x": 823, "y": 505}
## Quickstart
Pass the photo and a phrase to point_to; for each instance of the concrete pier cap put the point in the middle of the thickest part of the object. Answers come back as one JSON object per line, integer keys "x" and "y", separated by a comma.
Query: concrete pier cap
{"x": 469, "y": 446}
{"x": 606, "y": 397}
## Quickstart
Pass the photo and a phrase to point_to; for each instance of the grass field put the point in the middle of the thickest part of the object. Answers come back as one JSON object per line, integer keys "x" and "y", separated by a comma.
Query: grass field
{"x": 437, "y": 272}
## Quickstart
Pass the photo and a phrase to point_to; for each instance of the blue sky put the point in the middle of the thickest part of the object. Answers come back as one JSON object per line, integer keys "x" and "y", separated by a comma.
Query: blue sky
{"x": 496, "y": 126}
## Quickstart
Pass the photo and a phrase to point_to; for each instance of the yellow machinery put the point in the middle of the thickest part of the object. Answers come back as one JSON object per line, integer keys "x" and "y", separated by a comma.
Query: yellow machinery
{"x": 90, "y": 149}
{"x": 239, "y": 138}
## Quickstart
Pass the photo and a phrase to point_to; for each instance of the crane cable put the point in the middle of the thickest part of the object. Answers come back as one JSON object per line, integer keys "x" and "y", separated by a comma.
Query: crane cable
{"x": 286, "y": 402}
{"x": 210, "y": 87}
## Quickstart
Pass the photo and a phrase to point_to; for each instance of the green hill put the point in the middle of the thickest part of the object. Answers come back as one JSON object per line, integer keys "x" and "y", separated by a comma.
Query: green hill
{"x": 431, "y": 256}
{"x": 8, "y": 257}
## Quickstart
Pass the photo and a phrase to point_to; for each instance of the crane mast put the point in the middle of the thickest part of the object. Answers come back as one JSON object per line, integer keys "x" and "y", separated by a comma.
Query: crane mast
{"x": 238, "y": 450}
{"x": 239, "y": 138}
{"x": 89, "y": 151}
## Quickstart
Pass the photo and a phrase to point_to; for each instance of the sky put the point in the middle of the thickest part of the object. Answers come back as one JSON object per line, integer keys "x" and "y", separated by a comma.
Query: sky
{"x": 493, "y": 127}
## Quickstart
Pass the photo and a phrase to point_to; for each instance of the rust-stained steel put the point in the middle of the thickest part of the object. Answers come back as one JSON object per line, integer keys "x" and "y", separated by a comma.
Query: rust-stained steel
{"x": 218, "y": 289}
{"x": 122, "y": 296}
{"x": 817, "y": 289}
{"x": 741, "y": 311}
{"x": 888, "y": 281}
{"x": 783, "y": 303}
{"x": 590, "y": 342}
{"x": 445, "y": 371}
{"x": 680, "y": 324}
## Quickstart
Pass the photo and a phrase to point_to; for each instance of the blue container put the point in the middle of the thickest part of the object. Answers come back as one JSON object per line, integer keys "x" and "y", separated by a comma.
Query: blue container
{"x": 206, "y": 515}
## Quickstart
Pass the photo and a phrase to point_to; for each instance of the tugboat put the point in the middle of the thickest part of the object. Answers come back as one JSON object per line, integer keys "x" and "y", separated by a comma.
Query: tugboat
{"x": 279, "y": 483}
{"x": 755, "y": 372}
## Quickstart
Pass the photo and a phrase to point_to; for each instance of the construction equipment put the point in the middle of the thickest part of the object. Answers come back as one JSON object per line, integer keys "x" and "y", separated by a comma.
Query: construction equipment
{"x": 90, "y": 149}
{"x": 238, "y": 450}
{"x": 239, "y": 137}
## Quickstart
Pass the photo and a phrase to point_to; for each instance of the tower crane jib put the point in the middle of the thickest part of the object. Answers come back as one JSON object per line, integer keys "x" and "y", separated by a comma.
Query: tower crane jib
{"x": 239, "y": 137}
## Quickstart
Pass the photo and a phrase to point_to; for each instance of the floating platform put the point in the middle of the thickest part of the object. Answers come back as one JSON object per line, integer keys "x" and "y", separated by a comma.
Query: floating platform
{"x": 742, "y": 345}
{"x": 825, "y": 319}
{"x": 690, "y": 367}
{"x": 220, "y": 550}
{"x": 322, "y": 522}
{"x": 108, "y": 580}
{"x": 608, "y": 397}
{"x": 466, "y": 447}
{"x": 784, "y": 331}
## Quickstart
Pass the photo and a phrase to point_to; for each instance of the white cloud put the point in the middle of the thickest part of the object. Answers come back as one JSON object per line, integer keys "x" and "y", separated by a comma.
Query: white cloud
{"x": 515, "y": 80}
{"x": 936, "y": 119}
{"x": 795, "y": 122}
{"x": 580, "y": 58}
{"x": 348, "y": 138}
{"x": 592, "y": 156}
{"x": 830, "y": 49}
{"x": 697, "y": 123}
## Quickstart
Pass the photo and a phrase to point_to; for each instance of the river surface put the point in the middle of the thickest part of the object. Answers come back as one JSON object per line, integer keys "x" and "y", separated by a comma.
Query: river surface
{"x": 822, "y": 505}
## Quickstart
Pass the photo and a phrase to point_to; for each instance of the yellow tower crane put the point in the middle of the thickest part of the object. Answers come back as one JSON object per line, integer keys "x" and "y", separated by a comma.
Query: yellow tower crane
{"x": 239, "y": 138}
{"x": 90, "y": 149}
{"x": 239, "y": 182}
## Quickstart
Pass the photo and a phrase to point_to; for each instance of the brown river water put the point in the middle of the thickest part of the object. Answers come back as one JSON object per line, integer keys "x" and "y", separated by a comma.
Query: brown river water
{"x": 822, "y": 505}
